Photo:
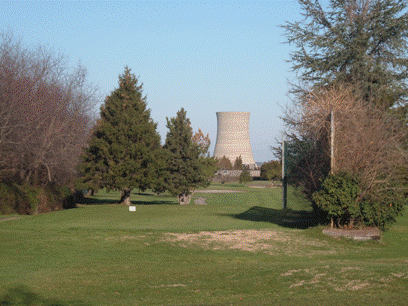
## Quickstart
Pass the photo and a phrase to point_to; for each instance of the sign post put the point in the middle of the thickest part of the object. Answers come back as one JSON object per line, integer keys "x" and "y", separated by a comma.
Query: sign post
{"x": 284, "y": 178}
{"x": 332, "y": 131}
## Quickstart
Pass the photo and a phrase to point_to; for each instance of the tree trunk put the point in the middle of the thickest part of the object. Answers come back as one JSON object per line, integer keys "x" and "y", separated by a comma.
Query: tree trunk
{"x": 184, "y": 198}
{"x": 90, "y": 193}
{"x": 125, "y": 199}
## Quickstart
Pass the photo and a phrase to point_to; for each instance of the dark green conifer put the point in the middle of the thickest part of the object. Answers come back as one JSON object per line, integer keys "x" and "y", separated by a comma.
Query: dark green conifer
{"x": 188, "y": 165}
{"x": 362, "y": 43}
{"x": 122, "y": 150}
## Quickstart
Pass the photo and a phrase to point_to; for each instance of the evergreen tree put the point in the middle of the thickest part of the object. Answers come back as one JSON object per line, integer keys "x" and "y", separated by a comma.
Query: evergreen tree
{"x": 122, "y": 150}
{"x": 90, "y": 178}
{"x": 188, "y": 163}
{"x": 358, "y": 42}
{"x": 224, "y": 163}
{"x": 245, "y": 176}
{"x": 238, "y": 163}
{"x": 271, "y": 170}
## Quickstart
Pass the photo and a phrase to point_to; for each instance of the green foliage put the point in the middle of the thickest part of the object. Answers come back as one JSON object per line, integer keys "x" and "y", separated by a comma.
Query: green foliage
{"x": 245, "y": 176}
{"x": 28, "y": 200}
{"x": 224, "y": 163}
{"x": 13, "y": 200}
{"x": 307, "y": 162}
{"x": 188, "y": 166}
{"x": 339, "y": 198}
{"x": 381, "y": 209}
{"x": 362, "y": 43}
{"x": 60, "y": 197}
{"x": 121, "y": 153}
{"x": 343, "y": 200}
{"x": 238, "y": 163}
{"x": 271, "y": 170}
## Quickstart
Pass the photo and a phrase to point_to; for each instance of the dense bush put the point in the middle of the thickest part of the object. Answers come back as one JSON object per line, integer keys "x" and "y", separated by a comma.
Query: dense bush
{"x": 29, "y": 200}
{"x": 338, "y": 198}
{"x": 245, "y": 176}
{"x": 13, "y": 200}
{"x": 271, "y": 170}
{"x": 224, "y": 163}
{"x": 346, "y": 205}
{"x": 382, "y": 209}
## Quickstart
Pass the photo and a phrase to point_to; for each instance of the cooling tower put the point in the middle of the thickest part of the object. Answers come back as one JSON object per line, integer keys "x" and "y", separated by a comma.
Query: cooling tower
{"x": 233, "y": 137}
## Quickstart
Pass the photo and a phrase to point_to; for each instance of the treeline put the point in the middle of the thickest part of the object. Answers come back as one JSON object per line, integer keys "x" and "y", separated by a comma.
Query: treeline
{"x": 45, "y": 117}
{"x": 52, "y": 145}
{"x": 124, "y": 150}
{"x": 347, "y": 127}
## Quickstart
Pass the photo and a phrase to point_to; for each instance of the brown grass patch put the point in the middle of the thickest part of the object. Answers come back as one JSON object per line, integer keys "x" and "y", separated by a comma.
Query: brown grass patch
{"x": 271, "y": 242}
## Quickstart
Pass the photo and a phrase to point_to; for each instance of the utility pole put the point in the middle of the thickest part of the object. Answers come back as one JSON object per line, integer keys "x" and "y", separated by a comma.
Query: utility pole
{"x": 332, "y": 130}
{"x": 284, "y": 178}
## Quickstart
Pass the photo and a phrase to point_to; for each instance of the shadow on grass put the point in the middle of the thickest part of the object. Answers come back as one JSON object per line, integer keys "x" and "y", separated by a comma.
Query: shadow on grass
{"x": 101, "y": 201}
{"x": 21, "y": 295}
{"x": 163, "y": 202}
{"x": 285, "y": 218}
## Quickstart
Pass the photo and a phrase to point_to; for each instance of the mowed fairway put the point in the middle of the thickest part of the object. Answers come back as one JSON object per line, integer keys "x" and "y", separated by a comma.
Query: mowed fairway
{"x": 239, "y": 249}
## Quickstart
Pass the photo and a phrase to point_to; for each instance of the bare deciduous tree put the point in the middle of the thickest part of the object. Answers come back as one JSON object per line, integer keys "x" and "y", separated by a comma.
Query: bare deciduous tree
{"x": 368, "y": 141}
{"x": 45, "y": 114}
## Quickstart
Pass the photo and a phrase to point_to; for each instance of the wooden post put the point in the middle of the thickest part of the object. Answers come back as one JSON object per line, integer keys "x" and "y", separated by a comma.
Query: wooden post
{"x": 332, "y": 130}
{"x": 284, "y": 178}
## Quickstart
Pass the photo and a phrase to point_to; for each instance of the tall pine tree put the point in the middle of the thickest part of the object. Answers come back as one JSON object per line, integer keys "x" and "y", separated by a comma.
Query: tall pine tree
{"x": 358, "y": 42}
{"x": 188, "y": 163}
{"x": 123, "y": 147}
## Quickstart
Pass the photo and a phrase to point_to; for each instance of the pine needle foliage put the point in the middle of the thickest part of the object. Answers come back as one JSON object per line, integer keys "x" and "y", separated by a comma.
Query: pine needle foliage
{"x": 188, "y": 164}
{"x": 121, "y": 153}
{"x": 359, "y": 42}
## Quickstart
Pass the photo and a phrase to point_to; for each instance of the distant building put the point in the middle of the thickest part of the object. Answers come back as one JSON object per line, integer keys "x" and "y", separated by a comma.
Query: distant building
{"x": 233, "y": 137}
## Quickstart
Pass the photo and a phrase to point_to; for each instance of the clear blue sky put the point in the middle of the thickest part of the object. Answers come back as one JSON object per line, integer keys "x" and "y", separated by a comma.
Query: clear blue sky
{"x": 205, "y": 57}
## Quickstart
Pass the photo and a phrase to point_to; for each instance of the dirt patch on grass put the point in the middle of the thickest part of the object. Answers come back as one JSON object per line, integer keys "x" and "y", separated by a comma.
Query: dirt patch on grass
{"x": 292, "y": 243}
{"x": 339, "y": 278}
{"x": 8, "y": 218}
{"x": 357, "y": 234}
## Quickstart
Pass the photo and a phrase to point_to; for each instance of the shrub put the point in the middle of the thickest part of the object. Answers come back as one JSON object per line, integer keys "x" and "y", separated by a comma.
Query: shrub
{"x": 28, "y": 200}
{"x": 12, "y": 200}
{"x": 382, "y": 208}
{"x": 344, "y": 202}
{"x": 271, "y": 170}
{"x": 245, "y": 176}
{"x": 59, "y": 197}
{"x": 15, "y": 198}
{"x": 339, "y": 198}
{"x": 224, "y": 164}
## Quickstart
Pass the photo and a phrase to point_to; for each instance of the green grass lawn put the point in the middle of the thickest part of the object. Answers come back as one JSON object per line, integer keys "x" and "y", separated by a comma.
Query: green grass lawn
{"x": 239, "y": 249}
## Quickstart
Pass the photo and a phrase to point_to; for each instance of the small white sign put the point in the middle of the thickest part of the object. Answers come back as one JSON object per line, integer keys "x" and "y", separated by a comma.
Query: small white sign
{"x": 132, "y": 208}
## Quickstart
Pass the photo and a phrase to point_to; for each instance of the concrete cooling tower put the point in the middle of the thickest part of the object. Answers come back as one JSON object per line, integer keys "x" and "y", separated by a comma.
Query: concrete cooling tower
{"x": 233, "y": 137}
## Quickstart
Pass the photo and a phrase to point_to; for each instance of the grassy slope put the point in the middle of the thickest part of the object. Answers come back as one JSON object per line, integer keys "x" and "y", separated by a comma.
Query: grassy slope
{"x": 104, "y": 255}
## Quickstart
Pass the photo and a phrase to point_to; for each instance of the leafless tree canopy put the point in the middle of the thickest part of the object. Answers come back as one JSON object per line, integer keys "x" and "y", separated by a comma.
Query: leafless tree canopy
{"x": 368, "y": 142}
{"x": 45, "y": 114}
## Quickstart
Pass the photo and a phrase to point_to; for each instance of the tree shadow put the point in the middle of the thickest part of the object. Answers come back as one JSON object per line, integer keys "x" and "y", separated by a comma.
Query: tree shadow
{"x": 99, "y": 201}
{"x": 163, "y": 202}
{"x": 286, "y": 218}
{"x": 21, "y": 295}
{"x": 143, "y": 194}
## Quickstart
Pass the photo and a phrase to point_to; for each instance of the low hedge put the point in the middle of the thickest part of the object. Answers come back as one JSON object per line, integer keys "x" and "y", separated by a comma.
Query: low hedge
{"x": 344, "y": 202}
{"x": 28, "y": 200}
